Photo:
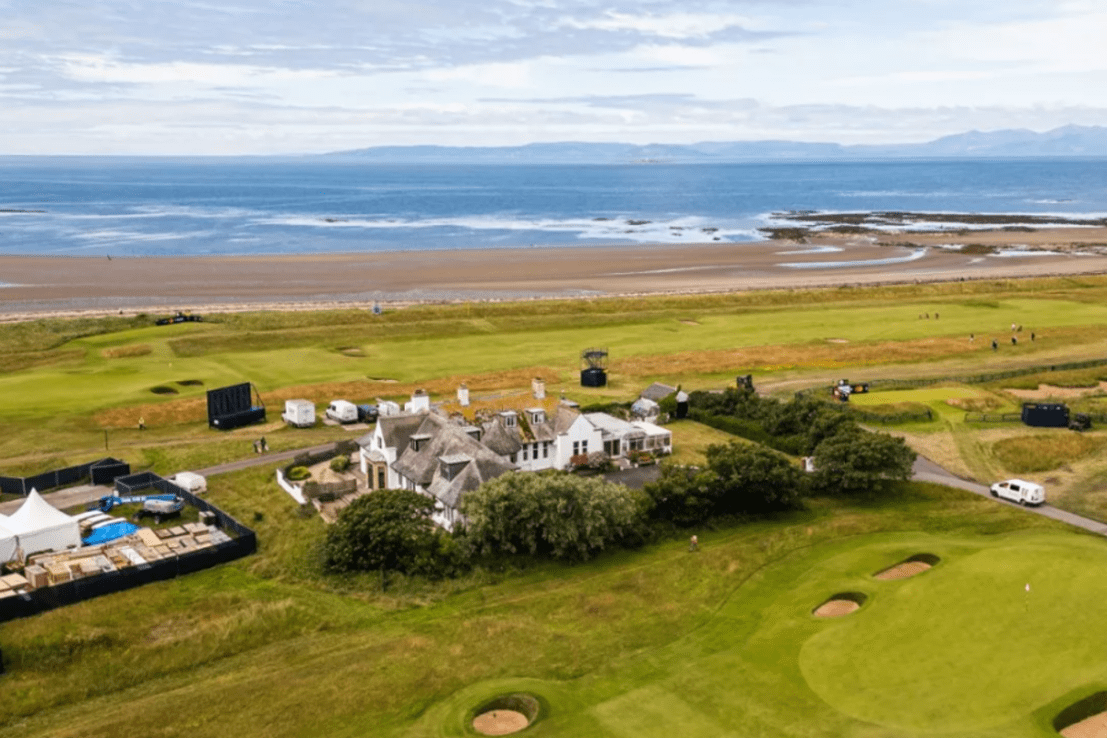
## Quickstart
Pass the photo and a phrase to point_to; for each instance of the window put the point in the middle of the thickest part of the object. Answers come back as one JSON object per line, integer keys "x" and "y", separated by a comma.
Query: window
{"x": 576, "y": 448}
{"x": 525, "y": 449}
{"x": 513, "y": 458}
{"x": 380, "y": 478}
{"x": 545, "y": 449}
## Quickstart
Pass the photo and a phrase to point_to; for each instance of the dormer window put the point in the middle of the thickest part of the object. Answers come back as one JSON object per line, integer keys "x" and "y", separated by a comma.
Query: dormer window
{"x": 450, "y": 466}
{"x": 509, "y": 419}
{"x": 419, "y": 441}
{"x": 536, "y": 417}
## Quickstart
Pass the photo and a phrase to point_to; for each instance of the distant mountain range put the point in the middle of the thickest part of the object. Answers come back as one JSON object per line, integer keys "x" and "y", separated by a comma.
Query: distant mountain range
{"x": 1081, "y": 141}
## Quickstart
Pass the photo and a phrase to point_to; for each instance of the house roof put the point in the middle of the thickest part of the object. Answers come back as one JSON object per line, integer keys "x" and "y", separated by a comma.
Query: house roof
{"x": 657, "y": 391}
{"x": 396, "y": 430}
{"x": 612, "y": 427}
{"x": 447, "y": 440}
{"x": 501, "y": 439}
{"x": 564, "y": 418}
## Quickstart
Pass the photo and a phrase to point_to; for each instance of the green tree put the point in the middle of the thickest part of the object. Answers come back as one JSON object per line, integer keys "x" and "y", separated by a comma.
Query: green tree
{"x": 753, "y": 479}
{"x": 553, "y": 514}
{"x": 683, "y": 495}
{"x": 740, "y": 478}
{"x": 387, "y": 530}
{"x": 858, "y": 462}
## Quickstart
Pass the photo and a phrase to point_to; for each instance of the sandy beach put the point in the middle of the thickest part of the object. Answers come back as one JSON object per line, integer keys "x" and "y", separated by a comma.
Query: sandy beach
{"x": 33, "y": 286}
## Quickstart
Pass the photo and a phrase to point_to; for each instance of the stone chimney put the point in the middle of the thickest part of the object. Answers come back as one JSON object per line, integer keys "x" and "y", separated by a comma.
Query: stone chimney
{"x": 463, "y": 396}
{"x": 539, "y": 387}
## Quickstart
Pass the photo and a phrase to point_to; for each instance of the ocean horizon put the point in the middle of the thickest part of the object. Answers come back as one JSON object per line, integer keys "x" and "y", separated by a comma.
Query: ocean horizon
{"x": 142, "y": 207}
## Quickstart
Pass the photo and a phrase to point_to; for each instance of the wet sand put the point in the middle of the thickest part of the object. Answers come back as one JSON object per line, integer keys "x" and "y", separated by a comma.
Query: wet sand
{"x": 85, "y": 285}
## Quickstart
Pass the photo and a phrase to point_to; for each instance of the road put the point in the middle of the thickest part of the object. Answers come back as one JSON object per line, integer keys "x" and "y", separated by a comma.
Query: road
{"x": 927, "y": 471}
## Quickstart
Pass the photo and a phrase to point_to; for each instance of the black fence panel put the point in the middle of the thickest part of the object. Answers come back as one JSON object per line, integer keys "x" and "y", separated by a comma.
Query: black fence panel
{"x": 101, "y": 472}
{"x": 68, "y": 593}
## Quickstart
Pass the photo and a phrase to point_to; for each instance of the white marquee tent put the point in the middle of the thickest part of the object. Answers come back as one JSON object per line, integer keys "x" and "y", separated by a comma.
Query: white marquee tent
{"x": 42, "y": 527}
{"x": 8, "y": 542}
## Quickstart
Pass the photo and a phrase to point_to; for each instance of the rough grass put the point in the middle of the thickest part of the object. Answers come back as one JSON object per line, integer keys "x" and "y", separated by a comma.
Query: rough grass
{"x": 296, "y": 653}
{"x": 1043, "y": 452}
{"x": 122, "y": 352}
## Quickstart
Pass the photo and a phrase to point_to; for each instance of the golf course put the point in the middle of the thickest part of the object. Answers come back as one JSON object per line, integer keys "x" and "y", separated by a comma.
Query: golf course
{"x": 951, "y": 614}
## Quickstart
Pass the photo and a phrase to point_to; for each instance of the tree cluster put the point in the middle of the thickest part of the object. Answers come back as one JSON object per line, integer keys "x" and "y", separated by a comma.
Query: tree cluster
{"x": 739, "y": 479}
{"x": 552, "y": 514}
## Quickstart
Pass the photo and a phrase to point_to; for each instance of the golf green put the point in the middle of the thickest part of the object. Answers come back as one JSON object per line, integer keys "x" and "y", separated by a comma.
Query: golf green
{"x": 962, "y": 648}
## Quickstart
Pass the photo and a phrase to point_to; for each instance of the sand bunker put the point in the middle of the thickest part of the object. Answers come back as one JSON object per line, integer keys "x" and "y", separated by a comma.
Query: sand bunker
{"x": 1093, "y": 727}
{"x": 908, "y": 568}
{"x": 840, "y": 604}
{"x": 500, "y": 722}
{"x": 507, "y": 714}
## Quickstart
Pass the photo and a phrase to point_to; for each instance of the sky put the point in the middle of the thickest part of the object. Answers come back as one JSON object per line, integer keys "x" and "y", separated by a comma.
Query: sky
{"x": 182, "y": 77}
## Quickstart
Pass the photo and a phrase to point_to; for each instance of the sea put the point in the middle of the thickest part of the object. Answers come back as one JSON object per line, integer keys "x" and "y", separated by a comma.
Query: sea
{"x": 135, "y": 207}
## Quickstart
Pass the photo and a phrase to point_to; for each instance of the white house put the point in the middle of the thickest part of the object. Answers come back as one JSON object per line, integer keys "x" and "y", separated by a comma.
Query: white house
{"x": 433, "y": 455}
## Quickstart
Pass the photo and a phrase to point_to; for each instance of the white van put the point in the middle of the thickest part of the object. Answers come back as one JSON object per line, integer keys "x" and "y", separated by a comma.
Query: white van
{"x": 1020, "y": 491}
{"x": 342, "y": 411}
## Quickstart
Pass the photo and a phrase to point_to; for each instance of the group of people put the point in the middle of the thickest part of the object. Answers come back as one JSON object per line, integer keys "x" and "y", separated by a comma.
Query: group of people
{"x": 261, "y": 446}
{"x": 1015, "y": 330}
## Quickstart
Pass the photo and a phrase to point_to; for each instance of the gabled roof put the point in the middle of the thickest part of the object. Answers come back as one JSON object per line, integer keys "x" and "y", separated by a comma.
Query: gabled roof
{"x": 451, "y": 443}
{"x": 564, "y": 419}
{"x": 397, "y": 429}
{"x": 657, "y": 391}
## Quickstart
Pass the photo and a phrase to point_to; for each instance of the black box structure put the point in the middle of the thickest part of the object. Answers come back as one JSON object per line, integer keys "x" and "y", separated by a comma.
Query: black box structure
{"x": 1045, "y": 414}
{"x": 235, "y": 406}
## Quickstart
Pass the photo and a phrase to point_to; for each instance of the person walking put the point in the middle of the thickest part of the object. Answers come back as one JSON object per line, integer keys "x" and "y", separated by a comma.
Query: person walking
{"x": 694, "y": 544}
{"x": 995, "y": 345}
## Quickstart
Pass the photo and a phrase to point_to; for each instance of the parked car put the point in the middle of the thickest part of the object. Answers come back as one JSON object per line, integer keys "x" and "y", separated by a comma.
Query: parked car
{"x": 1020, "y": 491}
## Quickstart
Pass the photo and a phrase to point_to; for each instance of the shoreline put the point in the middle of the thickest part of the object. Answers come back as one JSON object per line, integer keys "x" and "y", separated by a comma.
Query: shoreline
{"x": 71, "y": 286}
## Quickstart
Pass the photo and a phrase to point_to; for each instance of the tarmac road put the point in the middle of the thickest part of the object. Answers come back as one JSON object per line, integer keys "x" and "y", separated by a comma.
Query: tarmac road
{"x": 925, "y": 470}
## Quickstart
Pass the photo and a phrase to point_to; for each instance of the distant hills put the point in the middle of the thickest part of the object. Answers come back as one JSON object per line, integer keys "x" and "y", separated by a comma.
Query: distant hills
{"x": 1081, "y": 141}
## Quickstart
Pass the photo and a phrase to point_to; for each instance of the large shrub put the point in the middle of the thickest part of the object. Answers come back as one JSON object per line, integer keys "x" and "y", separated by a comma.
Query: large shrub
{"x": 857, "y": 462}
{"x": 740, "y": 479}
{"x": 552, "y": 514}
{"x": 390, "y": 530}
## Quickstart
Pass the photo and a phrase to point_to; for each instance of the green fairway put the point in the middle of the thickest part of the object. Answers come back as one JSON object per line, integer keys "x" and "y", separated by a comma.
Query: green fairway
{"x": 646, "y": 643}
{"x": 961, "y": 649}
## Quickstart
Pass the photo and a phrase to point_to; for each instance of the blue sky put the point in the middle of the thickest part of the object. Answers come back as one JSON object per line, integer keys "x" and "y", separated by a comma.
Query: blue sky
{"x": 252, "y": 77}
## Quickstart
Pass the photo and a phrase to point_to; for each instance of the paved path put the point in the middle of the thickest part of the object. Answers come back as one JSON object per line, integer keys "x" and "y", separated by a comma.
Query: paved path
{"x": 927, "y": 471}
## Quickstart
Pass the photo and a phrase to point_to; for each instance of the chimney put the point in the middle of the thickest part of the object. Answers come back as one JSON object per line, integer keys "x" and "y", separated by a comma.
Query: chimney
{"x": 463, "y": 395}
{"x": 420, "y": 402}
{"x": 539, "y": 388}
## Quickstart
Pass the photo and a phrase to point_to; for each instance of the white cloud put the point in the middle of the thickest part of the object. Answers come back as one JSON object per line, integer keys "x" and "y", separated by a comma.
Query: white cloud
{"x": 672, "y": 25}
